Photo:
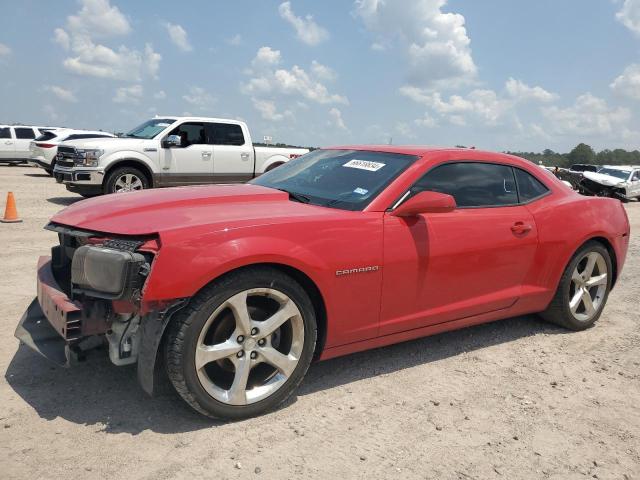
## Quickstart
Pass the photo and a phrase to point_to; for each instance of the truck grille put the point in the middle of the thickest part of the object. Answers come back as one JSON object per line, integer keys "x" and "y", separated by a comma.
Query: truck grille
{"x": 67, "y": 156}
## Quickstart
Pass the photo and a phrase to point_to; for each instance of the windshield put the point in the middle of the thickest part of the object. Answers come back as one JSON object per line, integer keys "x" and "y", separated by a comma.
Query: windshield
{"x": 345, "y": 179}
{"x": 621, "y": 174}
{"x": 150, "y": 128}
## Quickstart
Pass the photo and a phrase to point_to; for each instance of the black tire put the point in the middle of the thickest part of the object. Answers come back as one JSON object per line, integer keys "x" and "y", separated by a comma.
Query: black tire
{"x": 184, "y": 331}
{"x": 115, "y": 174}
{"x": 559, "y": 311}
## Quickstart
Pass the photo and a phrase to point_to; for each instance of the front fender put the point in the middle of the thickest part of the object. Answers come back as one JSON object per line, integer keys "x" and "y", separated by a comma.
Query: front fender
{"x": 109, "y": 160}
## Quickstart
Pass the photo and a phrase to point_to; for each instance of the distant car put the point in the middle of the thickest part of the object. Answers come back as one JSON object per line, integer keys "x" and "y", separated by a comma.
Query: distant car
{"x": 15, "y": 141}
{"x": 45, "y": 147}
{"x": 583, "y": 167}
{"x": 616, "y": 181}
{"x": 235, "y": 289}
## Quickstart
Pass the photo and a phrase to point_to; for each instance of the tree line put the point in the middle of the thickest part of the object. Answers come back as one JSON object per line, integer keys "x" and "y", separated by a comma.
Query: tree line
{"x": 582, "y": 153}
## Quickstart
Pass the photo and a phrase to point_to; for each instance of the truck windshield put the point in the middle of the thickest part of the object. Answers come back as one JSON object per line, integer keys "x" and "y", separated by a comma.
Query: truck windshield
{"x": 150, "y": 128}
{"x": 614, "y": 172}
{"x": 345, "y": 179}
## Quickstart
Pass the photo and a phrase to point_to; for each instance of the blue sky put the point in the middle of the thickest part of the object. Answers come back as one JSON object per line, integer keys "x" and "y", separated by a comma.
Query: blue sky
{"x": 497, "y": 74}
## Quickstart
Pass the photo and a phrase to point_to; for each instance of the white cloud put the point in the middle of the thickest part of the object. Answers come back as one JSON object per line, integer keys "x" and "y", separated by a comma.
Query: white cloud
{"x": 178, "y": 36}
{"x": 629, "y": 15}
{"x": 266, "y": 56}
{"x": 268, "y": 110}
{"x": 322, "y": 71}
{"x": 336, "y": 119}
{"x": 61, "y": 93}
{"x": 235, "y": 40}
{"x": 160, "y": 95}
{"x": 427, "y": 121}
{"x": 5, "y": 51}
{"x": 436, "y": 43}
{"x": 405, "y": 130}
{"x": 589, "y": 115}
{"x": 628, "y": 84}
{"x": 519, "y": 90}
{"x": 307, "y": 30}
{"x": 200, "y": 98}
{"x": 130, "y": 94}
{"x": 97, "y": 19}
{"x": 294, "y": 82}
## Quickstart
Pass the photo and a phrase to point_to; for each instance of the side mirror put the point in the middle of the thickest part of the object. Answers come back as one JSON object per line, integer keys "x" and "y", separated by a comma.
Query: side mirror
{"x": 172, "y": 141}
{"x": 426, "y": 202}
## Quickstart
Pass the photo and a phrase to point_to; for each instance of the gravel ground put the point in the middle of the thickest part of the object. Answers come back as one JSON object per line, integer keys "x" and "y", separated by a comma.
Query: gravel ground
{"x": 514, "y": 399}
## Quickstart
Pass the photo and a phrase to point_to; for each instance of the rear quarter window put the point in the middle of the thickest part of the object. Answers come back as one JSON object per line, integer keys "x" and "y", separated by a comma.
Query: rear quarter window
{"x": 529, "y": 187}
{"x": 46, "y": 135}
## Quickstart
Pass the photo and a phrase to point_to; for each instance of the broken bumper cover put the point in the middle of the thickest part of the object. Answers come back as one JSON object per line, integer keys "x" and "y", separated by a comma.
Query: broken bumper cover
{"x": 52, "y": 321}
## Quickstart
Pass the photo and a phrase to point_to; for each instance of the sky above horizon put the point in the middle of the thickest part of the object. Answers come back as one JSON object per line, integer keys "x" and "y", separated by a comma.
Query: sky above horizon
{"x": 497, "y": 74}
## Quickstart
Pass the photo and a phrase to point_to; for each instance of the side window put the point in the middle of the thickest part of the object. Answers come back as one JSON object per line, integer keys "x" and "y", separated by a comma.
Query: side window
{"x": 46, "y": 135}
{"x": 191, "y": 133}
{"x": 227, "y": 134}
{"x": 472, "y": 184}
{"x": 636, "y": 176}
{"x": 529, "y": 187}
{"x": 25, "y": 133}
{"x": 5, "y": 132}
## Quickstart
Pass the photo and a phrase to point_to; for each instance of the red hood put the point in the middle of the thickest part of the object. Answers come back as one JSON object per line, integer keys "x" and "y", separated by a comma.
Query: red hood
{"x": 157, "y": 211}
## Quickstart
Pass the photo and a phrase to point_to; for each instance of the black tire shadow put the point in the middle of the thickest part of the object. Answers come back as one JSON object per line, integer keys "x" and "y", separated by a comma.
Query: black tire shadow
{"x": 43, "y": 175}
{"x": 98, "y": 392}
{"x": 65, "y": 201}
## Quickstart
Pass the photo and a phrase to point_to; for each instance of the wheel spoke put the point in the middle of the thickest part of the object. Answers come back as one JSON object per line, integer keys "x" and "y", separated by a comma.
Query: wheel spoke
{"x": 576, "y": 277}
{"x": 210, "y": 353}
{"x": 238, "y": 305}
{"x": 597, "y": 280}
{"x": 588, "y": 303}
{"x": 285, "y": 363}
{"x": 575, "y": 301}
{"x": 591, "y": 263}
{"x": 137, "y": 184}
{"x": 237, "y": 394}
{"x": 272, "y": 323}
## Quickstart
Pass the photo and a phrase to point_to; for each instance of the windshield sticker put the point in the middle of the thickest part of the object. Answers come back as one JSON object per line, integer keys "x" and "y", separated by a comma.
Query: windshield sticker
{"x": 361, "y": 191}
{"x": 364, "y": 165}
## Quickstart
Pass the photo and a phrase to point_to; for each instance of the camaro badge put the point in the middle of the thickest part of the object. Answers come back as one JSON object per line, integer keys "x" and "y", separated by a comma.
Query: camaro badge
{"x": 349, "y": 271}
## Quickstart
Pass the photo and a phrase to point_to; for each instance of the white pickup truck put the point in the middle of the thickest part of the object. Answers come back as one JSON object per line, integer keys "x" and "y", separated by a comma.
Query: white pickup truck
{"x": 167, "y": 151}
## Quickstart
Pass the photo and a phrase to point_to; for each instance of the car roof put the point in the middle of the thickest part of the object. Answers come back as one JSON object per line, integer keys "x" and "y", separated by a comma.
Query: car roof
{"x": 408, "y": 149}
{"x": 624, "y": 168}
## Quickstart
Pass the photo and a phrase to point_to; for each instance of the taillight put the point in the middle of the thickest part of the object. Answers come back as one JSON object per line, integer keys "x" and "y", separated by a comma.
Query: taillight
{"x": 45, "y": 145}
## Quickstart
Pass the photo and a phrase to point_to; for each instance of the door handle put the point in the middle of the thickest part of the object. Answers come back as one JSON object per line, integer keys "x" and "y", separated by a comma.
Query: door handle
{"x": 244, "y": 156}
{"x": 8, "y": 142}
{"x": 206, "y": 155}
{"x": 520, "y": 228}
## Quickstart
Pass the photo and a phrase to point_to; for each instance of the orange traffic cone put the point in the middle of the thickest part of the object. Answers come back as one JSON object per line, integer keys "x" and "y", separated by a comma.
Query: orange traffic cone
{"x": 10, "y": 213}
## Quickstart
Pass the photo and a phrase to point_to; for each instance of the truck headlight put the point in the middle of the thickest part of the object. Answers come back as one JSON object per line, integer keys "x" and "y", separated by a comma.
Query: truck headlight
{"x": 107, "y": 273}
{"x": 89, "y": 157}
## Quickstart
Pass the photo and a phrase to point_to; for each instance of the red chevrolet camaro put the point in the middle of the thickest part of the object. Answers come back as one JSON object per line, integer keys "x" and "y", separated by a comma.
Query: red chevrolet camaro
{"x": 235, "y": 289}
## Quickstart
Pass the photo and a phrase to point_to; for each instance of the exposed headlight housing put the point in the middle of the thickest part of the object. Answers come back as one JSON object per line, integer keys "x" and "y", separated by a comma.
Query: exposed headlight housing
{"x": 89, "y": 157}
{"x": 107, "y": 273}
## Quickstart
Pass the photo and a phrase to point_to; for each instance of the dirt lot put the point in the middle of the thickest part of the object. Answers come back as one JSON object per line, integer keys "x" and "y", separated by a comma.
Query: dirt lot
{"x": 514, "y": 399}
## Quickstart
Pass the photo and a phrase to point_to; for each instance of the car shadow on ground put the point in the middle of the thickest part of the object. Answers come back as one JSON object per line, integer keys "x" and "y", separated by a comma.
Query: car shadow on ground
{"x": 66, "y": 201}
{"x": 38, "y": 175}
{"x": 98, "y": 393}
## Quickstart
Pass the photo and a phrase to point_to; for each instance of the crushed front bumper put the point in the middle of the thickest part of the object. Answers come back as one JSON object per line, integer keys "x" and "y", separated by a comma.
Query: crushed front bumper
{"x": 52, "y": 322}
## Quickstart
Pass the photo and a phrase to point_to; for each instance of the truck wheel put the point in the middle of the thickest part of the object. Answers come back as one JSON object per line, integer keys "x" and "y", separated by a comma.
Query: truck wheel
{"x": 243, "y": 344}
{"x": 583, "y": 289}
{"x": 126, "y": 179}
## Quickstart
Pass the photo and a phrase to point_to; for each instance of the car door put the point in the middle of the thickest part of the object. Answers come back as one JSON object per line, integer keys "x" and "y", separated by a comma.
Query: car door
{"x": 24, "y": 137}
{"x": 446, "y": 266}
{"x": 233, "y": 155}
{"x": 7, "y": 144}
{"x": 192, "y": 161}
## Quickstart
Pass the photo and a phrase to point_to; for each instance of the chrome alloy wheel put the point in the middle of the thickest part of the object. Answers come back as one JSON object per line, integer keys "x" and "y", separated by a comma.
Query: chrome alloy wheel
{"x": 128, "y": 182}
{"x": 250, "y": 346}
{"x": 588, "y": 286}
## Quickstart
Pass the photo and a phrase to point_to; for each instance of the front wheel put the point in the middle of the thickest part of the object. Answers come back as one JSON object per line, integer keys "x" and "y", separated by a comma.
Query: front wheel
{"x": 583, "y": 289}
{"x": 243, "y": 344}
{"x": 126, "y": 179}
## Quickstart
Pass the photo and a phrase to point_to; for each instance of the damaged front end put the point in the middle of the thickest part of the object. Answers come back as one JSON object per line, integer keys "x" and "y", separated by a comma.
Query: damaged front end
{"x": 90, "y": 294}
{"x": 591, "y": 187}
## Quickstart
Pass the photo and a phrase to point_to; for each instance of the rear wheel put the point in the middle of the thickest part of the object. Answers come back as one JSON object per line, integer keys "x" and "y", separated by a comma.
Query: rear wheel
{"x": 126, "y": 179}
{"x": 243, "y": 345}
{"x": 583, "y": 289}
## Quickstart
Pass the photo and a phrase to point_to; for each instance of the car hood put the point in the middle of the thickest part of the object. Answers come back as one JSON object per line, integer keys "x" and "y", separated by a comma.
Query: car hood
{"x": 603, "y": 179}
{"x": 107, "y": 143}
{"x": 157, "y": 211}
